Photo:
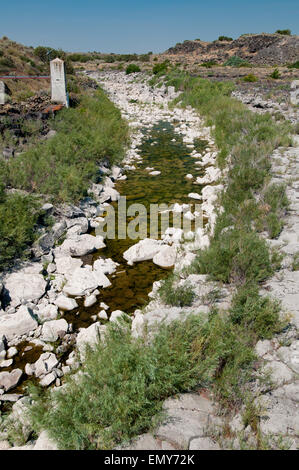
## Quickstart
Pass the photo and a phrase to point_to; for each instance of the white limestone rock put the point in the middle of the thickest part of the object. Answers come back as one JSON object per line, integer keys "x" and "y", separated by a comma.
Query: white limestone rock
{"x": 80, "y": 245}
{"x": 65, "y": 304}
{"x": 9, "y": 380}
{"x": 17, "y": 324}
{"x": 142, "y": 251}
{"x": 89, "y": 337}
{"x": 67, "y": 264}
{"x": 166, "y": 257}
{"x": 84, "y": 281}
{"x": 45, "y": 364}
{"x": 24, "y": 286}
{"x": 52, "y": 330}
{"x": 45, "y": 443}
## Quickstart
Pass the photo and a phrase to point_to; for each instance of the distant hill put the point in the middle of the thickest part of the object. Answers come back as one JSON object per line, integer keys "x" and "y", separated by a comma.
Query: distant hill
{"x": 258, "y": 49}
{"x": 17, "y": 59}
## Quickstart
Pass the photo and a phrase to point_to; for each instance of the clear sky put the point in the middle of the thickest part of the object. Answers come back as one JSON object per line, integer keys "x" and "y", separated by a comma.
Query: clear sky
{"x": 139, "y": 25}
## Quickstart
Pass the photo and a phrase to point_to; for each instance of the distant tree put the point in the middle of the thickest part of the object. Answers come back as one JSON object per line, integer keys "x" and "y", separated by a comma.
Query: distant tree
{"x": 225, "y": 38}
{"x": 284, "y": 32}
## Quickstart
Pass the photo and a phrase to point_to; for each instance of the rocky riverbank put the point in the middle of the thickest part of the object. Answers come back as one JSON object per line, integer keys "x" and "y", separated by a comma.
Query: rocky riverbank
{"x": 37, "y": 297}
{"x": 37, "y": 340}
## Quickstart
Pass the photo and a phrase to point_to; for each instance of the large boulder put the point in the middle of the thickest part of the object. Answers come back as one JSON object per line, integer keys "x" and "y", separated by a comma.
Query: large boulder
{"x": 166, "y": 257}
{"x": 67, "y": 264}
{"x": 24, "y": 286}
{"x": 84, "y": 280}
{"x": 80, "y": 245}
{"x": 89, "y": 337}
{"x": 47, "y": 312}
{"x": 65, "y": 304}
{"x": 142, "y": 251}
{"x": 17, "y": 324}
{"x": 45, "y": 364}
{"x": 9, "y": 380}
{"x": 52, "y": 330}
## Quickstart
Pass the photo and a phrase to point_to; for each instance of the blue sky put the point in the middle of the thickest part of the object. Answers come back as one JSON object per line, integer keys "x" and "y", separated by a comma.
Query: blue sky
{"x": 137, "y": 25}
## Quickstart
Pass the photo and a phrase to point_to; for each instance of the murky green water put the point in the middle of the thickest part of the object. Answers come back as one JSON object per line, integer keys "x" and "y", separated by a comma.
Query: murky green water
{"x": 164, "y": 151}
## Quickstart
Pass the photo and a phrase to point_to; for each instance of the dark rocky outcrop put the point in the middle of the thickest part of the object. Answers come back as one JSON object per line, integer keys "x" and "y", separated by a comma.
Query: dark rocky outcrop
{"x": 260, "y": 49}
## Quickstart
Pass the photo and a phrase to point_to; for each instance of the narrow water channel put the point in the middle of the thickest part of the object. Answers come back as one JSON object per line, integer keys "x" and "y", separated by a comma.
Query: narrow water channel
{"x": 163, "y": 150}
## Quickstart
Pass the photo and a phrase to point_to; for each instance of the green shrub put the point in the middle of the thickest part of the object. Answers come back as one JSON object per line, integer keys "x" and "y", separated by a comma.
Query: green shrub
{"x": 225, "y": 38}
{"x": 295, "y": 65}
{"x": 7, "y": 62}
{"x": 64, "y": 166}
{"x": 208, "y": 64}
{"x": 284, "y": 32}
{"x": 250, "y": 78}
{"x": 125, "y": 381}
{"x": 256, "y": 313}
{"x": 19, "y": 215}
{"x": 176, "y": 295}
{"x": 295, "y": 264}
{"x": 132, "y": 68}
{"x": 160, "y": 69}
{"x": 236, "y": 61}
{"x": 275, "y": 74}
{"x": 122, "y": 388}
{"x": 236, "y": 256}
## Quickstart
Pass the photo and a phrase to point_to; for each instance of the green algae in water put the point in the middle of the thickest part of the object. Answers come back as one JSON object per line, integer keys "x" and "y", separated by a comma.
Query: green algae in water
{"x": 165, "y": 151}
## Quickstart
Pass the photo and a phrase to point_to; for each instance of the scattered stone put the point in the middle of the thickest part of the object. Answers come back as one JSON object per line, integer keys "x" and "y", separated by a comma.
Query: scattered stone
{"x": 52, "y": 330}
{"x": 65, "y": 303}
{"x": 166, "y": 257}
{"x": 23, "y": 286}
{"x": 44, "y": 442}
{"x": 17, "y": 324}
{"x": 45, "y": 364}
{"x": 9, "y": 380}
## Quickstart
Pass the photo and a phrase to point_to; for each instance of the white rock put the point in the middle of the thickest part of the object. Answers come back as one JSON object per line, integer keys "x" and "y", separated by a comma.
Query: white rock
{"x": 47, "y": 312}
{"x": 117, "y": 315}
{"x": 48, "y": 380}
{"x": 12, "y": 352}
{"x": 166, "y": 257}
{"x": 17, "y": 324}
{"x": 44, "y": 442}
{"x": 142, "y": 251}
{"x": 24, "y": 287}
{"x": 106, "y": 266}
{"x": 155, "y": 173}
{"x": 90, "y": 300}
{"x": 81, "y": 245}
{"x": 45, "y": 364}
{"x": 89, "y": 337}
{"x": 9, "y": 380}
{"x": 195, "y": 196}
{"x": 173, "y": 235}
{"x": 66, "y": 304}
{"x": 84, "y": 281}
{"x": 52, "y": 330}
{"x": 102, "y": 315}
{"x": 104, "y": 306}
{"x": 67, "y": 264}
{"x": 138, "y": 325}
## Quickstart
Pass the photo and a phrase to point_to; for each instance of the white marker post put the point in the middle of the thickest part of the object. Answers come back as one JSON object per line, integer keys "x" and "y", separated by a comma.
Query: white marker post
{"x": 58, "y": 82}
{"x": 2, "y": 93}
